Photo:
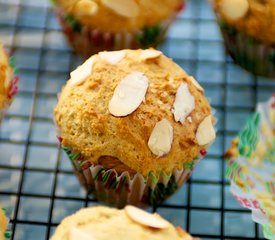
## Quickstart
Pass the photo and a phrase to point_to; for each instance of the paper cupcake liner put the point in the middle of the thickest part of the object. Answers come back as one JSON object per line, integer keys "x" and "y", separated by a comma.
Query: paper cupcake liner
{"x": 13, "y": 87}
{"x": 88, "y": 40}
{"x": 248, "y": 52}
{"x": 120, "y": 189}
{"x": 252, "y": 172}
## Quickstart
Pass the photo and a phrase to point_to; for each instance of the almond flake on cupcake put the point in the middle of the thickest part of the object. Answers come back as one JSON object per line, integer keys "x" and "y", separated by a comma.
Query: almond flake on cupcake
{"x": 149, "y": 54}
{"x": 79, "y": 75}
{"x": 196, "y": 84}
{"x": 235, "y": 9}
{"x": 205, "y": 133}
{"x": 85, "y": 8}
{"x": 128, "y": 8}
{"x": 184, "y": 103}
{"x": 128, "y": 94}
{"x": 113, "y": 57}
{"x": 144, "y": 218}
{"x": 161, "y": 138}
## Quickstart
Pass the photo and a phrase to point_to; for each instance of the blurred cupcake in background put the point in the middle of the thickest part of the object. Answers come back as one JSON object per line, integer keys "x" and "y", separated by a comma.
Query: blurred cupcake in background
{"x": 8, "y": 81}
{"x": 96, "y": 25}
{"x": 134, "y": 125}
{"x": 103, "y": 223}
{"x": 248, "y": 29}
{"x": 4, "y": 234}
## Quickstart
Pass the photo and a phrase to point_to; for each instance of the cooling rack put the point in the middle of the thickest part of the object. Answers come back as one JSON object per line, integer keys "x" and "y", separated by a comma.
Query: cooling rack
{"x": 37, "y": 185}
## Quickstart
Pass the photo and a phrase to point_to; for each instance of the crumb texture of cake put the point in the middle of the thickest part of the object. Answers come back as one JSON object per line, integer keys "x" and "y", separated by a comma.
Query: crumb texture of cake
{"x": 103, "y": 223}
{"x": 136, "y": 106}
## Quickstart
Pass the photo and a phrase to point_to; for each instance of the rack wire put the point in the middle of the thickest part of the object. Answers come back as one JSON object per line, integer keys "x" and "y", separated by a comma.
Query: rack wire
{"x": 37, "y": 185}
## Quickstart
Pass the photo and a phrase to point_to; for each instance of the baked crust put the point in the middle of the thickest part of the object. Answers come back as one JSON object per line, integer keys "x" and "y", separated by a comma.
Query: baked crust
{"x": 103, "y": 223}
{"x": 5, "y": 78}
{"x": 87, "y": 127}
{"x": 3, "y": 224}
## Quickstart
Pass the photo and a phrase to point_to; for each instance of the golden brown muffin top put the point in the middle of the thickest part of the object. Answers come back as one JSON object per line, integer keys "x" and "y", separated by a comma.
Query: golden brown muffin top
{"x": 253, "y": 17}
{"x": 103, "y": 223}
{"x": 119, "y": 15}
{"x": 137, "y": 106}
{"x": 3, "y": 224}
{"x": 5, "y": 78}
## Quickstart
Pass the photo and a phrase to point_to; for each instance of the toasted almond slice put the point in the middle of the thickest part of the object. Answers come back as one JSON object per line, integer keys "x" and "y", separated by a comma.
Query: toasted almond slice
{"x": 161, "y": 138}
{"x": 183, "y": 233}
{"x": 112, "y": 57}
{"x": 76, "y": 234}
{"x": 235, "y": 9}
{"x": 85, "y": 8}
{"x": 79, "y": 75}
{"x": 129, "y": 94}
{"x": 149, "y": 54}
{"x": 124, "y": 8}
{"x": 197, "y": 85}
{"x": 184, "y": 103}
{"x": 205, "y": 132}
{"x": 145, "y": 218}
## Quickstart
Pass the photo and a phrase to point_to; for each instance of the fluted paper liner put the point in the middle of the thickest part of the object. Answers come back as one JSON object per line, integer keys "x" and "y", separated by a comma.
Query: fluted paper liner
{"x": 252, "y": 172}
{"x": 120, "y": 189}
{"x": 248, "y": 52}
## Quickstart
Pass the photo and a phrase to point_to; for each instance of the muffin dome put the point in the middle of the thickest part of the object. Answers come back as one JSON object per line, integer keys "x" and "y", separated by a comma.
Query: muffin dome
{"x": 101, "y": 223}
{"x": 119, "y": 15}
{"x": 255, "y": 18}
{"x": 136, "y": 109}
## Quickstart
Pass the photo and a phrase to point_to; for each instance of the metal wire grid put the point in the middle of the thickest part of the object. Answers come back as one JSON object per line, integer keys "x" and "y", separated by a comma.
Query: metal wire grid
{"x": 37, "y": 185}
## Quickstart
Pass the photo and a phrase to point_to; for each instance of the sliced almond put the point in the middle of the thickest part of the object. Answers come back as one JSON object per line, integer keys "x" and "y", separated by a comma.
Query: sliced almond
{"x": 112, "y": 57}
{"x": 85, "y": 8}
{"x": 124, "y": 8}
{"x": 149, "y": 54}
{"x": 235, "y": 9}
{"x": 76, "y": 234}
{"x": 129, "y": 94}
{"x": 184, "y": 103}
{"x": 196, "y": 84}
{"x": 79, "y": 75}
{"x": 161, "y": 138}
{"x": 145, "y": 218}
{"x": 183, "y": 233}
{"x": 205, "y": 132}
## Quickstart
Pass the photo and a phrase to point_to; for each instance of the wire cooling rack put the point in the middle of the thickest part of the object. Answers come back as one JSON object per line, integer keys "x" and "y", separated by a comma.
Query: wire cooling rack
{"x": 37, "y": 185}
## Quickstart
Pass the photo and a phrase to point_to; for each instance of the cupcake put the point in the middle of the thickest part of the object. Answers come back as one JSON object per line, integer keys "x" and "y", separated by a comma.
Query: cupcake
{"x": 96, "y": 25}
{"x": 248, "y": 30}
{"x": 251, "y": 166}
{"x": 134, "y": 125}
{"x": 103, "y": 223}
{"x": 8, "y": 83}
{"x": 3, "y": 225}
